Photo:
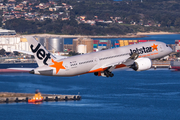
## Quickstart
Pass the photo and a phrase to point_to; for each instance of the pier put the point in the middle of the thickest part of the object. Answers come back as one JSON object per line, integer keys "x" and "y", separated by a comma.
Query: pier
{"x": 24, "y": 97}
{"x": 161, "y": 64}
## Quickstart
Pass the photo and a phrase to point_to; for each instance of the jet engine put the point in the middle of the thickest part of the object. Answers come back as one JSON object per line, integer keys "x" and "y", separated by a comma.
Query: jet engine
{"x": 141, "y": 64}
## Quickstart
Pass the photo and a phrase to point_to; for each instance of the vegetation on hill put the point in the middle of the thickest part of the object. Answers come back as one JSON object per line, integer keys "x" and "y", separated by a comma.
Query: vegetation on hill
{"x": 137, "y": 16}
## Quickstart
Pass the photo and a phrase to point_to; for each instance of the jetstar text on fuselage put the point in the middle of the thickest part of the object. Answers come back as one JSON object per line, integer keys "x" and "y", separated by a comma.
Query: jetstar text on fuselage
{"x": 141, "y": 50}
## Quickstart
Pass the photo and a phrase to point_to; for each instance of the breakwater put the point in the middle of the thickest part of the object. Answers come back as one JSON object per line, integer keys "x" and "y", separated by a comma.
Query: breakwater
{"x": 24, "y": 97}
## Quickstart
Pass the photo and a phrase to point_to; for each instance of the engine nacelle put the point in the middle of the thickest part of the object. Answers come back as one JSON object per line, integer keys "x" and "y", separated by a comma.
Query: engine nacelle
{"x": 141, "y": 64}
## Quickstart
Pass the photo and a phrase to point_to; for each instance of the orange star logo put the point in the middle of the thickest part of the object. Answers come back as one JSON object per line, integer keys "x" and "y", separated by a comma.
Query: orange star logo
{"x": 57, "y": 65}
{"x": 154, "y": 47}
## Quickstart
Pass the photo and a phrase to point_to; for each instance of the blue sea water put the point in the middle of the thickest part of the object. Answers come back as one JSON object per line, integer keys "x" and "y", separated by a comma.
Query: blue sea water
{"x": 168, "y": 39}
{"x": 129, "y": 95}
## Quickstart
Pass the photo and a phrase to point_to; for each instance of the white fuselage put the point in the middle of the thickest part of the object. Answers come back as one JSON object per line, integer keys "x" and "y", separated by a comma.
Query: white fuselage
{"x": 96, "y": 61}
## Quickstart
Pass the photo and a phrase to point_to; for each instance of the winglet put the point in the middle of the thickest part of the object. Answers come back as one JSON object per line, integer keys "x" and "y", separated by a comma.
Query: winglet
{"x": 134, "y": 56}
{"x": 131, "y": 59}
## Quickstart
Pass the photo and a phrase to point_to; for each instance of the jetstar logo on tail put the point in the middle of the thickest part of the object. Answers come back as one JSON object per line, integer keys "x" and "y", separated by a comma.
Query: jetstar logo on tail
{"x": 57, "y": 65}
{"x": 144, "y": 49}
{"x": 40, "y": 53}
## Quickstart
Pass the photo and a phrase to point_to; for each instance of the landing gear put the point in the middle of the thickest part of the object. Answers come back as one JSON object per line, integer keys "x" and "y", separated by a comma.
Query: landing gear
{"x": 108, "y": 73}
{"x": 96, "y": 73}
{"x": 111, "y": 75}
{"x": 105, "y": 73}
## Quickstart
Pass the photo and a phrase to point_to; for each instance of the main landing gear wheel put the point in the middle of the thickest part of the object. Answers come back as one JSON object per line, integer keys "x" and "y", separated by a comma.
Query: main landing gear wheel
{"x": 108, "y": 74}
{"x": 96, "y": 73}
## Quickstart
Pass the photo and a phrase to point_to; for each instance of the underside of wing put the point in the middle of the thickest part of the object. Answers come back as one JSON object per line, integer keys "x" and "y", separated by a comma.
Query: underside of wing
{"x": 106, "y": 70}
{"x": 122, "y": 63}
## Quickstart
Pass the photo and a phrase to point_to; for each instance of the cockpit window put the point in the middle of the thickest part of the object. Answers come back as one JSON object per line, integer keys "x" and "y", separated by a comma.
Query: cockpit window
{"x": 167, "y": 46}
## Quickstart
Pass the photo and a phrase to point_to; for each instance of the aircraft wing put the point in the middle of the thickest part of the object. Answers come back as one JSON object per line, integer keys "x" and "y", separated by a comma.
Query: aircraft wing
{"x": 127, "y": 62}
{"x": 24, "y": 69}
{"x": 60, "y": 57}
{"x": 131, "y": 59}
{"x": 22, "y": 51}
{"x": 30, "y": 53}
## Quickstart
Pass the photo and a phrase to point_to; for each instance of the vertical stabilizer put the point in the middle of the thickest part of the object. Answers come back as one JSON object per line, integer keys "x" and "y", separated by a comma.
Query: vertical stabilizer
{"x": 42, "y": 56}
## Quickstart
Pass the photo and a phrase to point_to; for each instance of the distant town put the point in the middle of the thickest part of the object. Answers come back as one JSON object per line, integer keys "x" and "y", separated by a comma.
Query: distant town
{"x": 34, "y": 10}
{"x": 88, "y": 17}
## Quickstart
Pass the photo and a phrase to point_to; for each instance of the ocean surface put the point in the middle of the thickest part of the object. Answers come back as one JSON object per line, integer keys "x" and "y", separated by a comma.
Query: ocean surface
{"x": 129, "y": 95}
{"x": 169, "y": 39}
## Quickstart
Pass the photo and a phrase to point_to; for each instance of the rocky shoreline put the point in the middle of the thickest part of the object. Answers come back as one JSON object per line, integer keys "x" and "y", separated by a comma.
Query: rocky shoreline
{"x": 87, "y": 36}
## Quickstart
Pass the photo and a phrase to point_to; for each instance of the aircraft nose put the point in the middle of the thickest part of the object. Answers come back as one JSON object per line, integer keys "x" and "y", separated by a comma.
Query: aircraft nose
{"x": 169, "y": 50}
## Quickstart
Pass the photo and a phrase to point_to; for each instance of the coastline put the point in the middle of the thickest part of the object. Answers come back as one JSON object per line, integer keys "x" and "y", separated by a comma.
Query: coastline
{"x": 156, "y": 33}
{"x": 88, "y": 36}
{"x": 137, "y": 35}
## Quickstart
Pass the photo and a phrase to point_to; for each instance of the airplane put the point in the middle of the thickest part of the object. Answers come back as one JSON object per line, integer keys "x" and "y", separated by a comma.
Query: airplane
{"x": 101, "y": 63}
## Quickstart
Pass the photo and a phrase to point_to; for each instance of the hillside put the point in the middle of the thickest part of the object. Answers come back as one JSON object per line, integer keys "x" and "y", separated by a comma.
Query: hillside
{"x": 100, "y": 17}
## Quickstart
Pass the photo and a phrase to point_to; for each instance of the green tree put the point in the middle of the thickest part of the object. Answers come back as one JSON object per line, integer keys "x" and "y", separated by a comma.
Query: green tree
{"x": 16, "y": 53}
{"x": 0, "y": 21}
{"x": 2, "y": 52}
{"x": 177, "y": 22}
{"x": 44, "y": 1}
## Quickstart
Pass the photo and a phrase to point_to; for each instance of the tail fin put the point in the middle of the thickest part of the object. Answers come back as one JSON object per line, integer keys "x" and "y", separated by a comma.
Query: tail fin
{"x": 42, "y": 56}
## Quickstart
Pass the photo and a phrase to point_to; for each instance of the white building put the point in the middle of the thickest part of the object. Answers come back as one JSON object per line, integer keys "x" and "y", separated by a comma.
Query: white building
{"x": 11, "y": 43}
{"x": 7, "y": 32}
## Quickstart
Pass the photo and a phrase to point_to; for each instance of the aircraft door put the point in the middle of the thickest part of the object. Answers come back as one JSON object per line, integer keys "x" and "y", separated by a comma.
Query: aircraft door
{"x": 96, "y": 60}
{"x": 67, "y": 66}
{"x": 161, "y": 48}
